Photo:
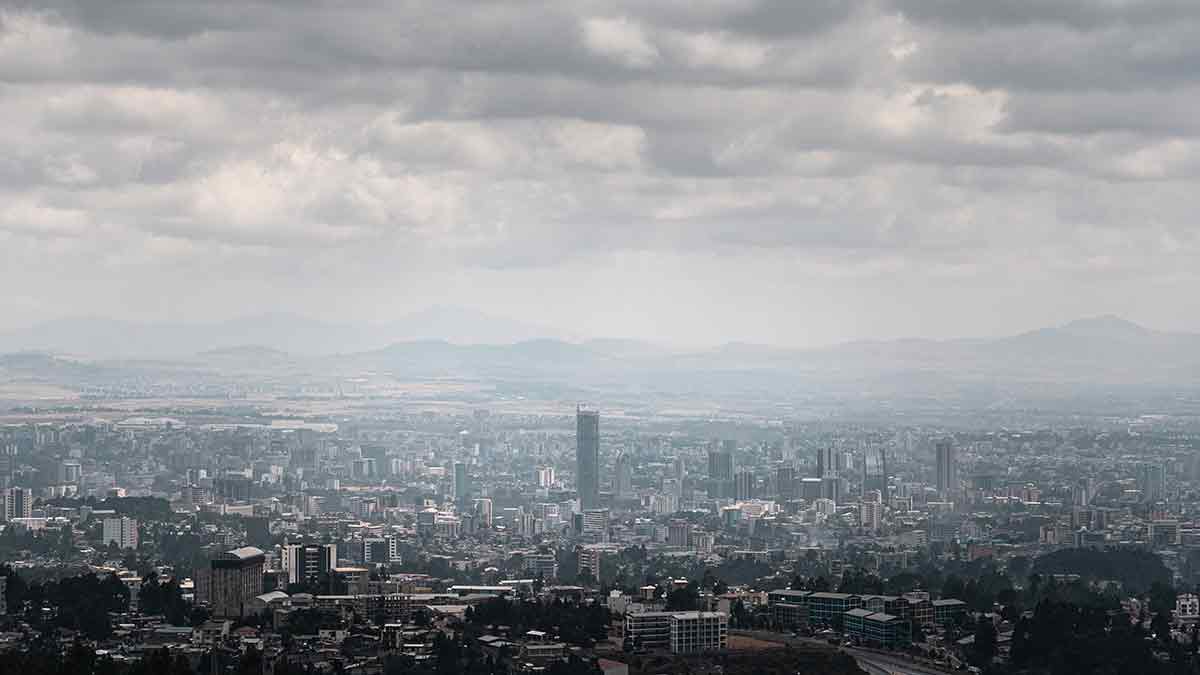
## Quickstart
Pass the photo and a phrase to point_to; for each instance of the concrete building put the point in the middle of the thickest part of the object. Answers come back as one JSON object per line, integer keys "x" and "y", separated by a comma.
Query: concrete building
{"x": 587, "y": 457}
{"x": 543, "y": 565}
{"x": 947, "y": 470}
{"x": 235, "y": 579}
{"x": 875, "y": 629}
{"x": 698, "y": 632}
{"x": 823, "y": 607}
{"x": 623, "y": 475}
{"x": 788, "y": 608}
{"x": 483, "y": 511}
{"x": 648, "y": 630}
{"x": 745, "y": 485}
{"x": 871, "y": 513}
{"x": 462, "y": 483}
{"x": 948, "y": 611}
{"x": 16, "y": 503}
{"x": 120, "y": 531}
{"x": 377, "y": 550}
{"x": 720, "y": 471}
{"x": 304, "y": 563}
{"x": 679, "y": 533}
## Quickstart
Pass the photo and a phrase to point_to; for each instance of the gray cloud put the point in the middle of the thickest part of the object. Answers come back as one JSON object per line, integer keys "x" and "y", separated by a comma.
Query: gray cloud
{"x": 492, "y": 153}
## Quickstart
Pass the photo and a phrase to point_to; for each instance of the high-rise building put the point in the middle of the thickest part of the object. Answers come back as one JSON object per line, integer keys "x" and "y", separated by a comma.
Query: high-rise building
{"x": 16, "y": 503}
{"x": 304, "y": 563}
{"x": 1152, "y": 481}
{"x": 785, "y": 483}
{"x": 623, "y": 475}
{"x": 120, "y": 531}
{"x": 745, "y": 485}
{"x": 590, "y": 559}
{"x": 69, "y": 472}
{"x": 679, "y": 533}
{"x": 832, "y": 487}
{"x": 947, "y": 470}
{"x": 720, "y": 462}
{"x": 1082, "y": 493}
{"x": 235, "y": 579}
{"x": 871, "y": 510}
{"x": 544, "y": 476}
{"x": 720, "y": 471}
{"x": 483, "y": 511}
{"x": 587, "y": 456}
{"x": 678, "y": 472}
{"x": 376, "y": 550}
{"x": 827, "y": 462}
{"x": 462, "y": 483}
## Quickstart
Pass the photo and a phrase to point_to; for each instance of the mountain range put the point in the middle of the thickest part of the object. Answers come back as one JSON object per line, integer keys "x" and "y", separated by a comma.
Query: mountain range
{"x": 443, "y": 342}
{"x": 91, "y": 337}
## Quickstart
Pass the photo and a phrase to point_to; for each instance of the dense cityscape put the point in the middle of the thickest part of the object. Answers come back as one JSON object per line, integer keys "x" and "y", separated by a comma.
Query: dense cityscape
{"x": 599, "y": 337}
{"x": 443, "y": 542}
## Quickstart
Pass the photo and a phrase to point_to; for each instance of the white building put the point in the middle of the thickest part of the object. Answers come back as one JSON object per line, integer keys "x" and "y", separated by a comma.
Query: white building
{"x": 120, "y": 531}
{"x": 697, "y": 632}
{"x": 16, "y": 503}
{"x": 1187, "y": 607}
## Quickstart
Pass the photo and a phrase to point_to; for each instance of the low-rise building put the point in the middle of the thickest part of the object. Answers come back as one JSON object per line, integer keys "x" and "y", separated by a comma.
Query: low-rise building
{"x": 876, "y": 629}
{"x": 698, "y": 632}
{"x": 648, "y": 630}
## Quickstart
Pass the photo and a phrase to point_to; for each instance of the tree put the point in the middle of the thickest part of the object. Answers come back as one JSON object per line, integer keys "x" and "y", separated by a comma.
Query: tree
{"x": 953, "y": 588}
{"x": 1160, "y": 625}
{"x": 1162, "y": 597}
{"x": 984, "y": 649}
{"x": 251, "y": 662}
{"x": 1018, "y": 566}
{"x": 683, "y": 599}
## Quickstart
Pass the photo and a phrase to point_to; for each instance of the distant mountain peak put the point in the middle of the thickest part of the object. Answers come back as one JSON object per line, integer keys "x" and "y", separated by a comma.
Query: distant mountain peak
{"x": 1105, "y": 325}
{"x": 244, "y": 351}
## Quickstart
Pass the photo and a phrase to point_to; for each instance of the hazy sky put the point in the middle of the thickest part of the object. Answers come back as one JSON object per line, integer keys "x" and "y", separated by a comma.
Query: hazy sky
{"x": 782, "y": 171}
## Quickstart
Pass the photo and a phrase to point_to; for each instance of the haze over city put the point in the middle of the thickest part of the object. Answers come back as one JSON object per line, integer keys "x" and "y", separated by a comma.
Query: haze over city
{"x": 599, "y": 337}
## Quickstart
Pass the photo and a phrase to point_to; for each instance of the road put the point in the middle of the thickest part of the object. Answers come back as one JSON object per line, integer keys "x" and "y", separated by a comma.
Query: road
{"x": 879, "y": 664}
{"x": 875, "y": 663}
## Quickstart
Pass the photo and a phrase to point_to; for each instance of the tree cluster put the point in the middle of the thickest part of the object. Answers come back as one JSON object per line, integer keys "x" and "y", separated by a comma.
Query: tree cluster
{"x": 572, "y": 623}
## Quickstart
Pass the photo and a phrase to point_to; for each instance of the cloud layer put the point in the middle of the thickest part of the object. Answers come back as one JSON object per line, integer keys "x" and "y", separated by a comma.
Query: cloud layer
{"x": 695, "y": 171}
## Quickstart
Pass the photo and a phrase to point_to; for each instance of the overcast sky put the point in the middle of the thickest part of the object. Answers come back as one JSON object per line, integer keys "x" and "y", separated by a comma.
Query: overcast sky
{"x": 793, "y": 172}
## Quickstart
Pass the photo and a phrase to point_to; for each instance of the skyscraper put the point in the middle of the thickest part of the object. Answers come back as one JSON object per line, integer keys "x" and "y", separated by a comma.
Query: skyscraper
{"x": 623, "y": 475}
{"x": 826, "y": 462}
{"x": 785, "y": 483}
{"x": 1152, "y": 481}
{"x": 720, "y": 463}
{"x": 462, "y": 483}
{"x": 745, "y": 485}
{"x": 587, "y": 456}
{"x": 720, "y": 471}
{"x": 947, "y": 469}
